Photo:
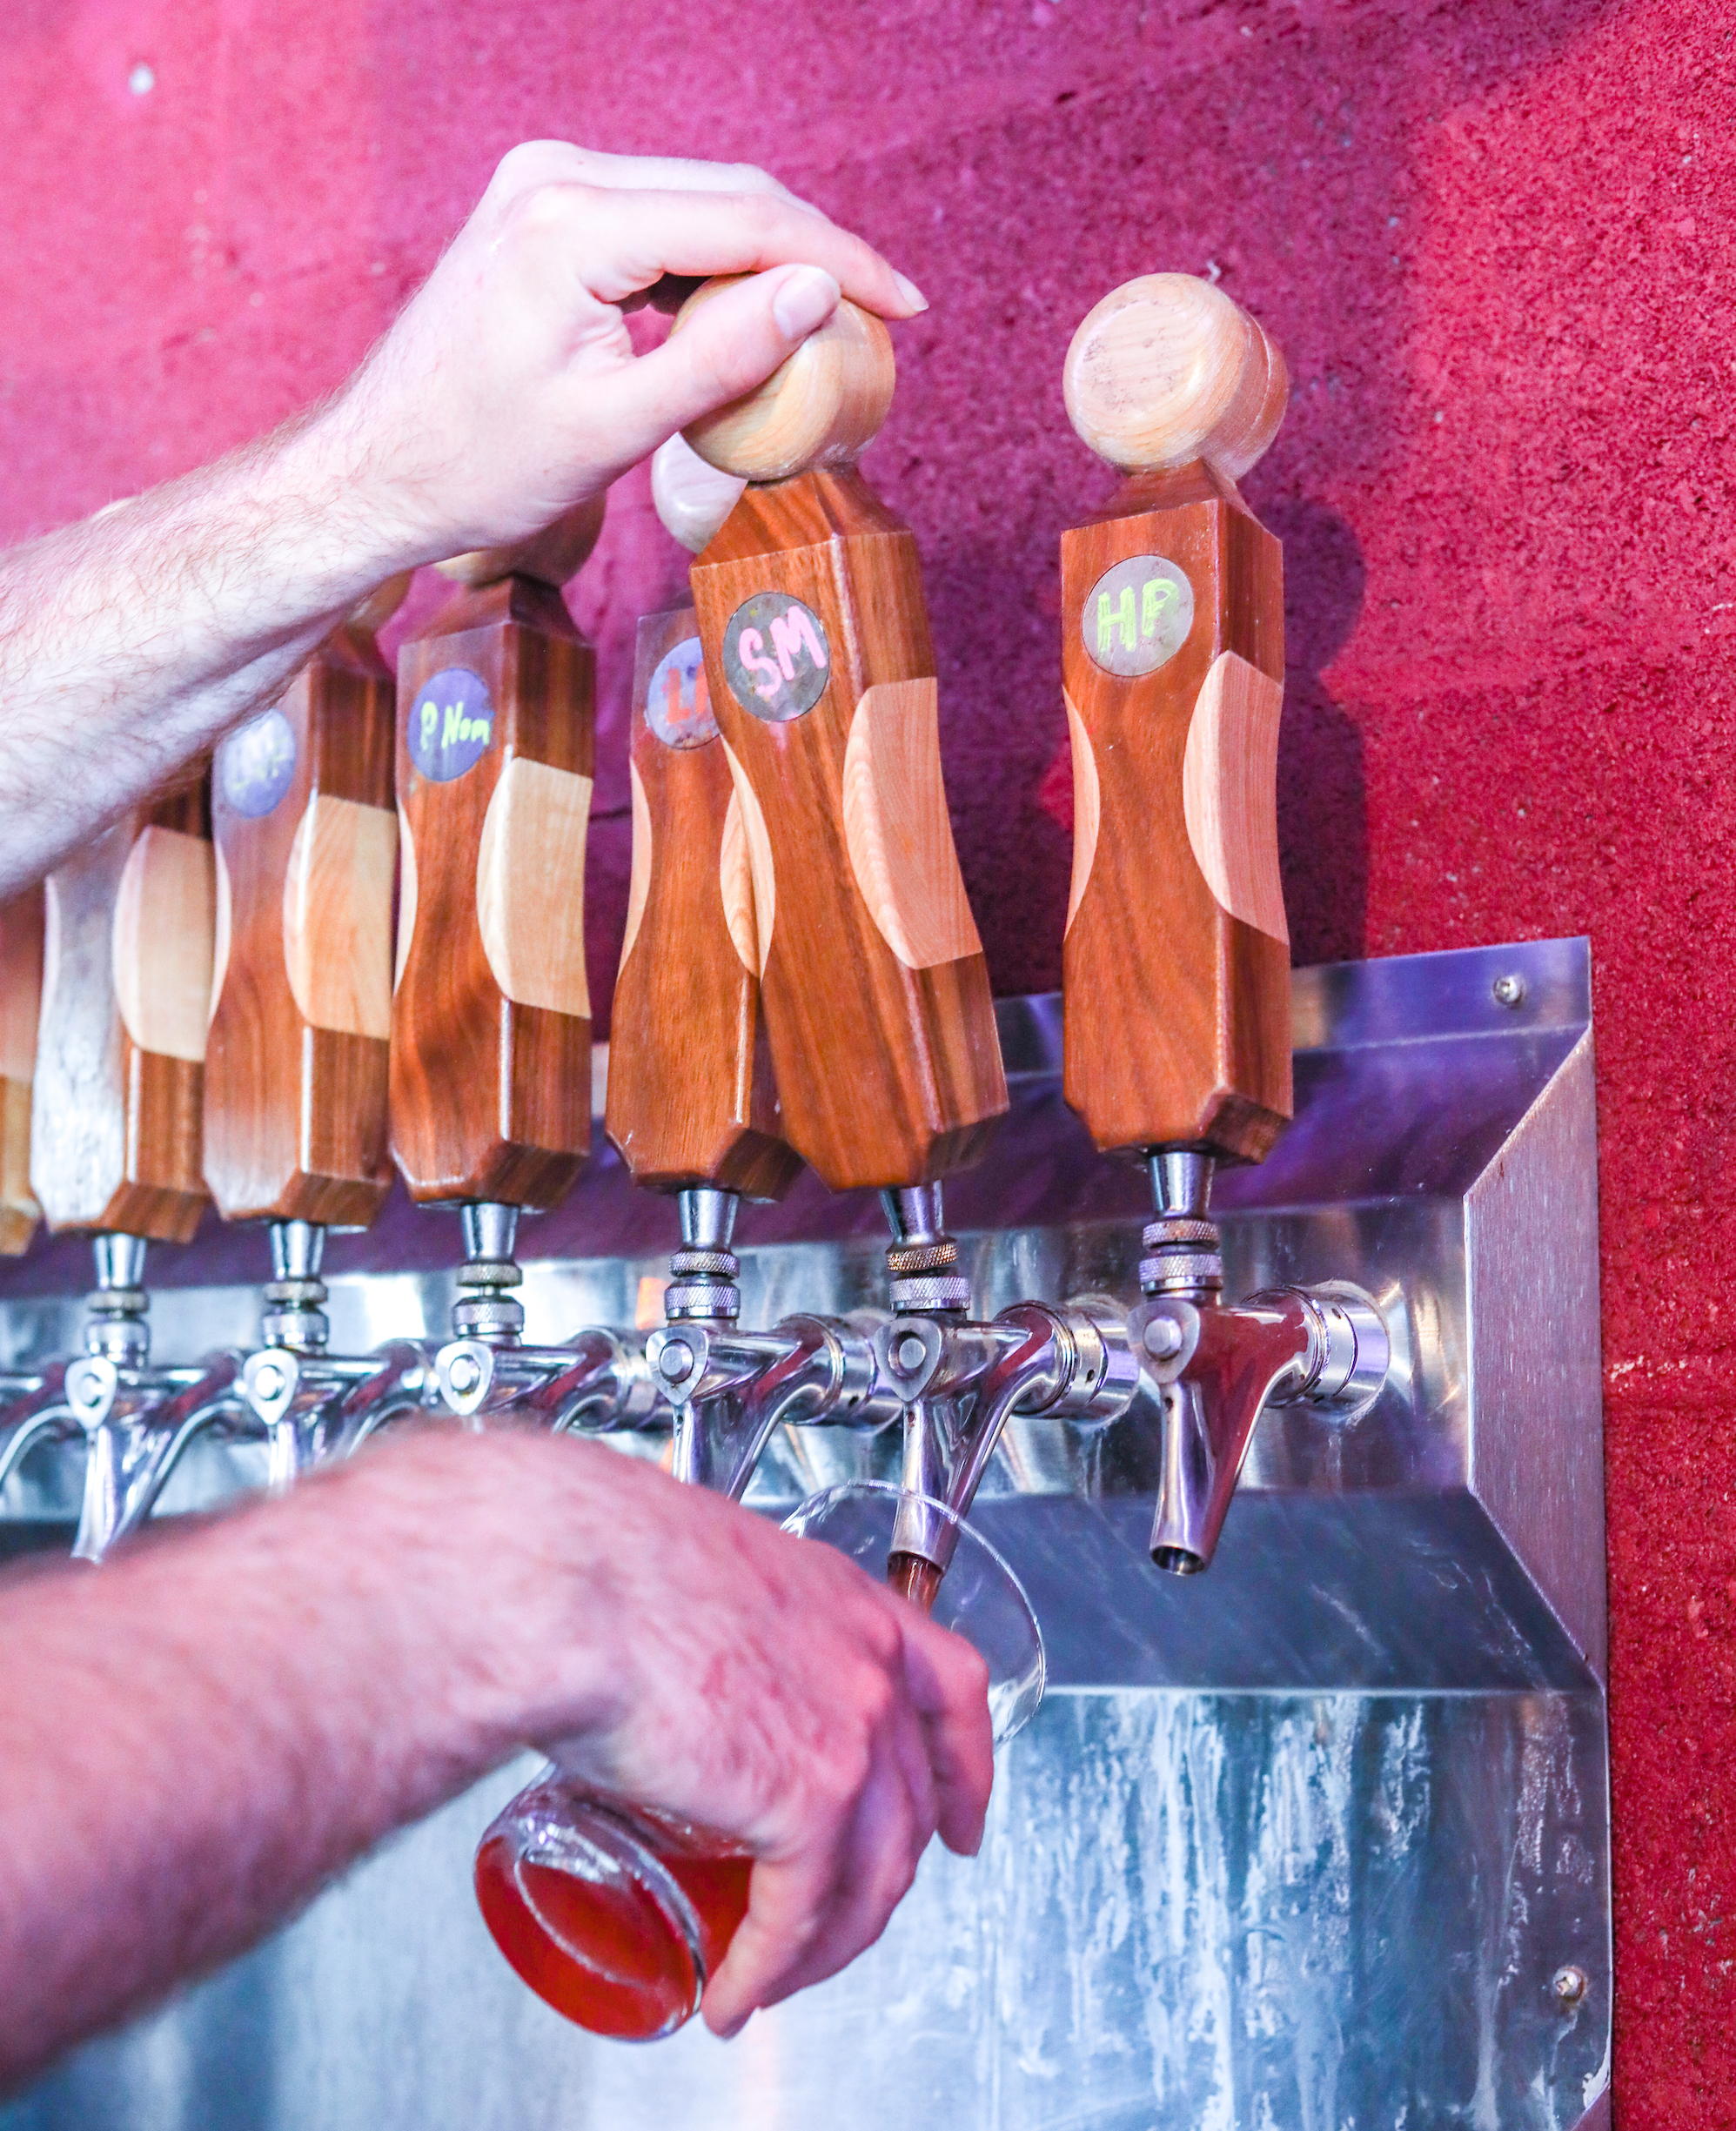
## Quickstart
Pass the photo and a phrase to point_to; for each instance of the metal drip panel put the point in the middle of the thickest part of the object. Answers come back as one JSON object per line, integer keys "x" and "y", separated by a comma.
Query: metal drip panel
{"x": 1317, "y": 1838}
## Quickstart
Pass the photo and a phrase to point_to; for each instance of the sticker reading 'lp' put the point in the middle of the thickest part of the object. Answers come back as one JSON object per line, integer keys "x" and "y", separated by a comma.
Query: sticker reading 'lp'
{"x": 678, "y": 703}
{"x": 256, "y": 764}
{"x": 775, "y": 656}
{"x": 1138, "y": 615}
{"x": 451, "y": 723}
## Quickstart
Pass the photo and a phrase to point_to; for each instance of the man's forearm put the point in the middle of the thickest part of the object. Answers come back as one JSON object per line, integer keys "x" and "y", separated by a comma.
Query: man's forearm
{"x": 128, "y": 644}
{"x": 198, "y": 1734}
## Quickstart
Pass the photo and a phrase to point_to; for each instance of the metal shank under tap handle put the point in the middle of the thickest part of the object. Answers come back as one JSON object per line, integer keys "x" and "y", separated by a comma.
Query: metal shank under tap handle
{"x": 821, "y": 677}
{"x": 306, "y": 833}
{"x": 491, "y": 1018}
{"x": 1175, "y": 965}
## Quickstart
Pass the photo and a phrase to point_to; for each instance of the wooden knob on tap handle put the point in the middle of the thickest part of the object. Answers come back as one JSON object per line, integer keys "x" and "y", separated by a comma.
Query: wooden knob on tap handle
{"x": 1176, "y": 959}
{"x": 130, "y": 933}
{"x": 692, "y": 1100}
{"x": 21, "y": 947}
{"x": 491, "y": 1015}
{"x": 306, "y": 837}
{"x": 821, "y": 674}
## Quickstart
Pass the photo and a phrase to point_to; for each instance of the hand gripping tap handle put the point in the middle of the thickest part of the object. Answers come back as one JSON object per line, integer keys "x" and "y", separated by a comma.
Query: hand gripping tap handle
{"x": 821, "y": 676}
{"x": 490, "y": 1015}
{"x": 1176, "y": 960}
{"x": 306, "y": 839}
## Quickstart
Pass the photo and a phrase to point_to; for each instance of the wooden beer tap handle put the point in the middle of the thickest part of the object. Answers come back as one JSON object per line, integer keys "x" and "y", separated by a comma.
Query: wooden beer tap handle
{"x": 1176, "y": 960}
{"x": 491, "y": 1013}
{"x": 692, "y": 1097}
{"x": 821, "y": 674}
{"x": 306, "y": 838}
{"x": 115, "y": 1125}
{"x": 21, "y": 945}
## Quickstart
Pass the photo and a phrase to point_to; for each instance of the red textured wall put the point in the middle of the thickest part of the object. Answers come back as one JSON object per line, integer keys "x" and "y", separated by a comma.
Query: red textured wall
{"x": 1495, "y": 243}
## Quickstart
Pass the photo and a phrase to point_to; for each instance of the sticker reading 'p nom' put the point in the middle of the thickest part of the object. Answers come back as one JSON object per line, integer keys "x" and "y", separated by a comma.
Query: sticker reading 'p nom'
{"x": 451, "y": 723}
{"x": 1138, "y": 616}
{"x": 776, "y": 657}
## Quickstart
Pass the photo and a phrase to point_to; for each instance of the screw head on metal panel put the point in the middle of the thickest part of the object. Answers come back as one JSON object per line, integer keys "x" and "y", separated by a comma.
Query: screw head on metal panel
{"x": 910, "y": 1354}
{"x": 1509, "y": 990}
{"x": 464, "y": 1373}
{"x": 675, "y": 1359}
{"x": 268, "y": 1380}
{"x": 1163, "y": 1338}
{"x": 1569, "y": 1986}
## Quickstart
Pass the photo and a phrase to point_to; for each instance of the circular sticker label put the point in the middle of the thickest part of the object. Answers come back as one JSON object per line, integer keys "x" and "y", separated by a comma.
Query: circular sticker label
{"x": 256, "y": 764}
{"x": 451, "y": 723}
{"x": 1138, "y": 615}
{"x": 775, "y": 656}
{"x": 678, "y": 706}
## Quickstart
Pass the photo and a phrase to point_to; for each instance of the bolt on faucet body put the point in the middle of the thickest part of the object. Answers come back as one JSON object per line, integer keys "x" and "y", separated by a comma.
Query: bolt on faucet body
{"x": 1215, "y": 1369}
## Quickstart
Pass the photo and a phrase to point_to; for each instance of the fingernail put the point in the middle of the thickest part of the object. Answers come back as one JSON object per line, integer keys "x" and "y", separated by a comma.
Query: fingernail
{"x": 910, "y": 292}
{"x": 804, "y": 299}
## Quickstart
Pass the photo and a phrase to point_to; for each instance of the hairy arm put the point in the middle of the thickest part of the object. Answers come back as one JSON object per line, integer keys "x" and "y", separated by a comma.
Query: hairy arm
{"x": 198, "y": 1733}
{"x": 506, "y": 393}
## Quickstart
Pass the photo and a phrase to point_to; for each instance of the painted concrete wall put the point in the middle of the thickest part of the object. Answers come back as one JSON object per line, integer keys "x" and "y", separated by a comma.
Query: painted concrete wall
{"x": 1495, "y": 244}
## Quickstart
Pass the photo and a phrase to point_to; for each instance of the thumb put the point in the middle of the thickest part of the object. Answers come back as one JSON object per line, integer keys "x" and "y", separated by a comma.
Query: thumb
{"x": 727, "y": 347}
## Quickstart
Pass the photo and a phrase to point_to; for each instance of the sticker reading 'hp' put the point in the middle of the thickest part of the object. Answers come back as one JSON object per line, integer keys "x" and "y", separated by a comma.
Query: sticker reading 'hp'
{"x": 775, "y": 656}
{"x": 1138, "y": 616}
{"x": 451, "y": 723}
{"x": 678, "y": 706}
{"x": 256, "y": 765}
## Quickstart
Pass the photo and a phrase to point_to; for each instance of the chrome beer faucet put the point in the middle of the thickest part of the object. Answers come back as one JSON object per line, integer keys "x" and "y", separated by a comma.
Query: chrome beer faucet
{"x": 958, "y": 1382}
{"x": 137, "y": 1420}
{"x": 598, "y": 1380}
{"x": 730, "y": 1388}
{"x": 1217, "y": 1369}
{"x": 308, "y": 1404}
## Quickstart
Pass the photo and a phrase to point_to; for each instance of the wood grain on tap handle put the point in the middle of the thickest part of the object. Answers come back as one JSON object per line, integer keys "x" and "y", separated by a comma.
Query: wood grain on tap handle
{"x": 307, "y": 843}
{"x": 692, "y": 1097}
{"x": 130, "y": 934}
{"x": 21, "y": 959}
{"x": 490, "y": 1029}
{"x": 821, "y": 677}
{"x": 1177, "y": 962}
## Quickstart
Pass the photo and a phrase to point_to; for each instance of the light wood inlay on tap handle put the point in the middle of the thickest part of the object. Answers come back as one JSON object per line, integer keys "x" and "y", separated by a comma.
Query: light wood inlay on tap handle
{"x": 821, "y": 674}
{"x": 1177, "y": 961}
{"x": 692, "y": 1097}
{"x": 21, "y": 932}
{"x": 306, "y": 837}
{"x": 490, "y": 1015}
{"x": 129, "y": 930}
